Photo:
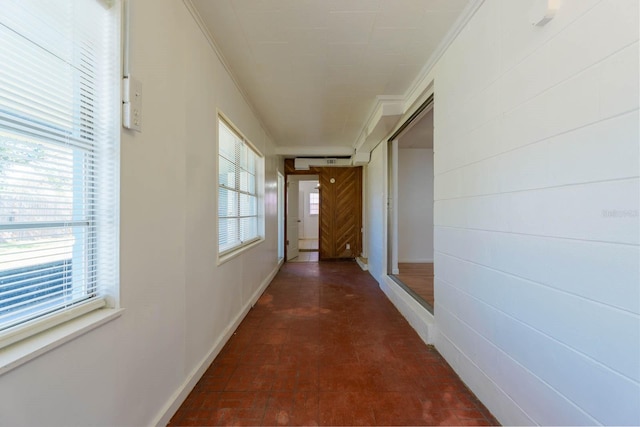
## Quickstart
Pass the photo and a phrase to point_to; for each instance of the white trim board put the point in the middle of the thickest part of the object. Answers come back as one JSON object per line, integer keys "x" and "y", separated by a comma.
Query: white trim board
{"x": 423, "y": 80}
{"x": 362, "y": 265}
{"x": 420, "y": 84}
{"x": 178, "y": 397}
{"x": 416, "y": 261}
{"x": 416, "y": 314}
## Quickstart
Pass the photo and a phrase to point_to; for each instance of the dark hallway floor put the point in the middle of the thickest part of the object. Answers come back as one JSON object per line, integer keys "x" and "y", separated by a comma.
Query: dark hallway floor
{"x": 324, "y": 346}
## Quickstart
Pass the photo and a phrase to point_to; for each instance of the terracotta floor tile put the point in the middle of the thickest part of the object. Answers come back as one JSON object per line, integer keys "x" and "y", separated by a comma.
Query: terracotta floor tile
{"x": 393, "y": 408}
{"x": 345, "y": 409}
{"x": 324, "y": 346}
{"x": 292, "y": 409}
{"x": 262, "y": 354}
{"x": 242, "y": 400}
{"x": 252, "y": 378}
{"x": 351, "y": 377}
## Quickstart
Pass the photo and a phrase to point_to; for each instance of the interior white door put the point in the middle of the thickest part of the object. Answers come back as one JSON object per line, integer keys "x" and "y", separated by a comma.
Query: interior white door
{"x": 292, "y": 218}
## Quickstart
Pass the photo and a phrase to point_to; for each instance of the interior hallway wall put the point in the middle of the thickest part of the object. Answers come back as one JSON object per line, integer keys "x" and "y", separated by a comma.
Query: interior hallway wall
{"x": 536, "y": 212}
{"x": 178, "y": 302}
{"x": 375, "y": 212}
{"x": 309, "y": 229}
{"x": 415, "y": 205}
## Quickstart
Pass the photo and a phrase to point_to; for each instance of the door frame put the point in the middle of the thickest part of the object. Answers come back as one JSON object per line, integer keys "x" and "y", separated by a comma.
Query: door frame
{"x": 391, "y": 192}
{"x": 291, "y": 244}
{"x": 289, "y": 171}
{"x": 299, "y": 177}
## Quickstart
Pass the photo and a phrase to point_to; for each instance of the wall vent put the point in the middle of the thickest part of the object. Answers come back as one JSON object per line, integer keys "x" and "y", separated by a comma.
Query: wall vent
{"x": 305, "y": 164}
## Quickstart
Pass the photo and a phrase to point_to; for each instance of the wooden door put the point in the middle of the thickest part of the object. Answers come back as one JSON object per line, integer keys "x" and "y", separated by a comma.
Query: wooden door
{"x": 340, "y": 212}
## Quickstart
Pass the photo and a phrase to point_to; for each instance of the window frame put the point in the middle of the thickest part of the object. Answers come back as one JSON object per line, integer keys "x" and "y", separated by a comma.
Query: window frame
{"x": 232, "y": 252}
{"x": 314, "y": 194}
{"x": 52, "y": 328}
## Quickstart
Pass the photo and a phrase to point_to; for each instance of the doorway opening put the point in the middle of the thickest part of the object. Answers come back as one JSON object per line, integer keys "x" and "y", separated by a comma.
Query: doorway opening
{"x": 339, "y": 207}
{"x": 410, "y": 220}
{"x": 303, "y": 212}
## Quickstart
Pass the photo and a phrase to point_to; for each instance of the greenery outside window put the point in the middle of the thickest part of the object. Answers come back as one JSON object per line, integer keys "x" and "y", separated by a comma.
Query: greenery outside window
{"x": 59, "y": 152}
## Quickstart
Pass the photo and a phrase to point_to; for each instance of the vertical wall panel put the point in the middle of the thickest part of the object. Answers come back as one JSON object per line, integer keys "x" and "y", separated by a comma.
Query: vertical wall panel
{"x": 537, "y": 196}
{"x": 375, "y": 211}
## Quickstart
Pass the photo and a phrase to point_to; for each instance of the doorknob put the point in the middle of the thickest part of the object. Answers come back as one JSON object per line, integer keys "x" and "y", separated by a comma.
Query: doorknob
{"x": 299, "y": 220}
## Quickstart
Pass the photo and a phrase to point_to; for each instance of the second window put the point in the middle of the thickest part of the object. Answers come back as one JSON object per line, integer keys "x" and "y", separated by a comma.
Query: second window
{"x": 237, "y": 190}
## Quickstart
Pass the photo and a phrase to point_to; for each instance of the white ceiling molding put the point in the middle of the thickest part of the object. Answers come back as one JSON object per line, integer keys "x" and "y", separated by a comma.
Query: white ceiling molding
{"x": 205, "y": 31}
{"x": 385, "y": 115}
{"x": 360, "y": 159}
{"x": 422, "y": 82}
{"x": 383, "y": 122}
{"x": 323, "y": 151}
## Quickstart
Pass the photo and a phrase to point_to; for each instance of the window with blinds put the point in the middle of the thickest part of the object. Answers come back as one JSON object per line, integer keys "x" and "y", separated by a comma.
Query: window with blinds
{"x": 59, "y": 134}
{"x": 237, "y": 190}
{"x": 314, "y": 203}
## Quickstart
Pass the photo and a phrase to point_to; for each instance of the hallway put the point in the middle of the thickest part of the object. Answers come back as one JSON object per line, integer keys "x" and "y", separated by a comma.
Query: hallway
{"x": 324, "y": 346}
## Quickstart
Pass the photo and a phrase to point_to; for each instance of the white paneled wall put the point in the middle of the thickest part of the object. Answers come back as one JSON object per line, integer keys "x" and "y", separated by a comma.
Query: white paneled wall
{"x": 375, "y": 211}
{"x": 536, "y": 211}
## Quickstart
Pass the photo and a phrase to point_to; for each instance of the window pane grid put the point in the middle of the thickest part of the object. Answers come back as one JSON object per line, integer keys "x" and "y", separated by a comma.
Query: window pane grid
{"x": 58, "y": 156}
{"x": 314, "y": 203}
{"x": 237, "y": 197}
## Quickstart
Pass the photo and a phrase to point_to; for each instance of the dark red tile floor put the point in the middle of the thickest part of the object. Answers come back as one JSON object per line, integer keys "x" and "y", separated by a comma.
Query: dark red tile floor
{"x": 324, "y": 346}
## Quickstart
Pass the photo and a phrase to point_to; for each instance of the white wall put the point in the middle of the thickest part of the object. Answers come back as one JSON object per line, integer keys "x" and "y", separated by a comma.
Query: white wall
{"x": 536, "y": 212}
{"x": 375, "y": 212}
{"x": 415, "y": 205}
{"x": 309, "y": 229}
{"x": 178, "y": 303}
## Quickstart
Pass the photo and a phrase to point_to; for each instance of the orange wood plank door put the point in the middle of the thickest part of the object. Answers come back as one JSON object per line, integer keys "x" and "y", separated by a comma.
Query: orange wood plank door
{"x": 340, "y": 212}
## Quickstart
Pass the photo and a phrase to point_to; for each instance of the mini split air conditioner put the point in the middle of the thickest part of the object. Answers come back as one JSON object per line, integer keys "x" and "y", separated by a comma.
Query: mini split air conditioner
{"x": 305, "y": 164}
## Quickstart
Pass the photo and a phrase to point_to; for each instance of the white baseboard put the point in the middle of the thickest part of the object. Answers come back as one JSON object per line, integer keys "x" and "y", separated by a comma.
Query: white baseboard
{"x": 179, "y": 396}
{"x": 420, "y": 319}
{"x": 416, "y": 260}
{"x": 362, "y": 265}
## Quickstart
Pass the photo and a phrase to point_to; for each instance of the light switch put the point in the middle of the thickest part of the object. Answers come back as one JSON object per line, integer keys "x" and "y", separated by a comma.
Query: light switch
{"x": 132, "y": 104}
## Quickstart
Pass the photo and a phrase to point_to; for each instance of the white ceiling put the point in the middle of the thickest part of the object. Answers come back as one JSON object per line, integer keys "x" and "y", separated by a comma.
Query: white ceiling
{"x": 312, "y": 69}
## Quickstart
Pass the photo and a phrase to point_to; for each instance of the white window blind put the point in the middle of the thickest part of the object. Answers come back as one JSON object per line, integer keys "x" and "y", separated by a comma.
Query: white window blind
{"x": 237, "y": 195}
{"x": 59, "y": 99}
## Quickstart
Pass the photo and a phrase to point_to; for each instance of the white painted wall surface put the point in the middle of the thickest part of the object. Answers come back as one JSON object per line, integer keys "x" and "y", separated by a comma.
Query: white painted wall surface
{"x": 309, "y": 222}
{"x": 536, "y": 212}
{"x": 415, "y": 205}
{"x": 178, "y": 304}
{"x": 375, "y": 212}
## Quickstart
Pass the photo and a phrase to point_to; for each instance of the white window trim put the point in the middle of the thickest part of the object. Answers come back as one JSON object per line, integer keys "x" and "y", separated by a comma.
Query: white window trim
{"x": 232, "y": 253}
{"x": 55, "y": 335}
{"x": 23, "y": 343}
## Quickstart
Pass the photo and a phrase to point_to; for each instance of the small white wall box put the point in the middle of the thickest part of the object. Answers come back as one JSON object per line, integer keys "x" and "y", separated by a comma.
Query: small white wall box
{"x": 132, "y": 104}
